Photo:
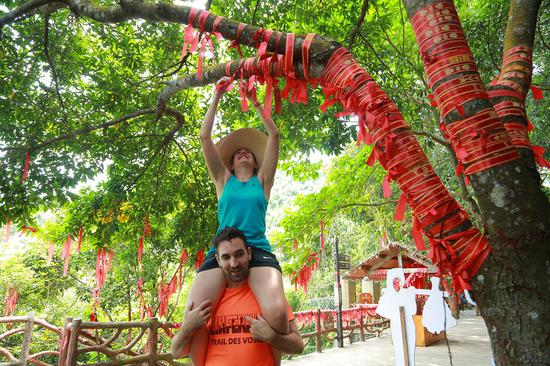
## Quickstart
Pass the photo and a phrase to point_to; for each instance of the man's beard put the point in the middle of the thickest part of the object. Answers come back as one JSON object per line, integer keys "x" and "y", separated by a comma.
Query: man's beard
{"x": 237, "y": 276}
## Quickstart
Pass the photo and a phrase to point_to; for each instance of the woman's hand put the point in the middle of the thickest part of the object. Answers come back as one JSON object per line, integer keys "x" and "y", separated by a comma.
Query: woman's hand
{"x": 223, "y": 85}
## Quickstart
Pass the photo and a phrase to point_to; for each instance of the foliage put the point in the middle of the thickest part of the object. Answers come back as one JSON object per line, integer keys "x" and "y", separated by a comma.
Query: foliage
{"x": 107, "y": 179}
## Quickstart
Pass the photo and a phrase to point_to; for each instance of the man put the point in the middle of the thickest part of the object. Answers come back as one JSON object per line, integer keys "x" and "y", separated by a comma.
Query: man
{"x": 239, "y": 335}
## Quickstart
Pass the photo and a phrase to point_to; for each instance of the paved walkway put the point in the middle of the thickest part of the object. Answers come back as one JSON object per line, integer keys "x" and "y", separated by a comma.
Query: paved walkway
{"x": 468, "y": 342}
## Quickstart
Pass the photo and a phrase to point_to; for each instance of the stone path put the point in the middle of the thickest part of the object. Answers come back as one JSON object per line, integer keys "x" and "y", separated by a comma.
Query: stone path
{"x": 468, "y": 342}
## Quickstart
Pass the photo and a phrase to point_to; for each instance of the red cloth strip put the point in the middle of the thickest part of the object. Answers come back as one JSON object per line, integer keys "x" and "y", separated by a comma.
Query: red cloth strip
{"x": 398, "y": 152}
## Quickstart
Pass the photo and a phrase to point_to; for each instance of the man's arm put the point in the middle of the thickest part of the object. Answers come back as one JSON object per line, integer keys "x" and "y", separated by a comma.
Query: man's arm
{"x": 193, "y": 320}
{"x": 291, "y": 343}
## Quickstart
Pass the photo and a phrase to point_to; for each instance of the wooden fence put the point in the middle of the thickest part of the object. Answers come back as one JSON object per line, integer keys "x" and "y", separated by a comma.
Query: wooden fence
{"x": 360, "y": 325}
{"x": 137, "y": 343}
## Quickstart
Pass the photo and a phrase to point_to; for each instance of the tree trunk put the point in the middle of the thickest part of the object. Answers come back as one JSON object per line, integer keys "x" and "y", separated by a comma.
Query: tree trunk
{"x": 512, "y": 287}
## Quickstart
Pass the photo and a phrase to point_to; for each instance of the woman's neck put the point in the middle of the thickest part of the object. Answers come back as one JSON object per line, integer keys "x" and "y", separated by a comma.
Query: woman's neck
{"x": 243, "y": 173}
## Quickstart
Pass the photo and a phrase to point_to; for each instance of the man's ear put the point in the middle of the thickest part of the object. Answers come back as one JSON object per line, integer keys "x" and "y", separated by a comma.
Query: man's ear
{"x": 249, "y": 252}
{"x": 217, "y": 259}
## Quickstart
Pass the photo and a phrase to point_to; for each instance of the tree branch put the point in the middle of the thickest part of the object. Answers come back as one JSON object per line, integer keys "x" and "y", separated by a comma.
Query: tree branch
{"x": 50, "y": 62}
{"x": 358, "y": 25}
{"x": 213, "y": 74}
{"x": 23, "y": 11}
{"x": 377, "y": 204}
{"x": 85, "y": 130}
{"x": 433, "y": 137}
{"x": 167, "y": 138}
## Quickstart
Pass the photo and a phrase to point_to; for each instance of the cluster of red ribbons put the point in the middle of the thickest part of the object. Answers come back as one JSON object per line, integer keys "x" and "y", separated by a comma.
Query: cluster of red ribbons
{"x": 303, "y": 276}
{"x": 144, "y": 308}
{"x": 322, "y": 238}
{"x": 436, "y": 212}
{"x": 192, "y": 36}
{"x": 66, "y": 254}
{"x": 479, "y": 141}
{"x": 102, "y": 265}
{"x": 51, "y": 249}
{"x": 26, "y": 167}
{"x": 146, "y": 233}
{"x": 266, "y": 69}
{"x": 8, "y": 228}
{"x": 508, "y": 97}
{"x": 10, "y": 301}
{"x": 166, "y": 290}
{"x": 27, "y": 229}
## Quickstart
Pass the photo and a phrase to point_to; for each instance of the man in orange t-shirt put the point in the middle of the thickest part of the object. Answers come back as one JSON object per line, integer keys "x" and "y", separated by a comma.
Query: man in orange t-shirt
{"x": 238, "y": 334}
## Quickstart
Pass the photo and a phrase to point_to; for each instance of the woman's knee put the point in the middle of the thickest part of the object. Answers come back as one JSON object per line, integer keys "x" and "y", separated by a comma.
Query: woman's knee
{"x": 275, "y": 313}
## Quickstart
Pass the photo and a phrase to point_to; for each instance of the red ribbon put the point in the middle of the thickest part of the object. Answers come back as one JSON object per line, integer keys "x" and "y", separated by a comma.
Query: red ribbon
{"x": 26, "y": 168}
{"x": 199, "y": 259}
{"x": 140, "y": 250}
{"x": 79, "y": 246}
{"x": 322, "y": 237}
{"x": 66, "y": 254}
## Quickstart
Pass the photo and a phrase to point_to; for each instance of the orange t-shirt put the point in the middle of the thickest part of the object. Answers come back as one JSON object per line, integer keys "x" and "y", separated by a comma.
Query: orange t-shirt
{"x": 231, "y": 343}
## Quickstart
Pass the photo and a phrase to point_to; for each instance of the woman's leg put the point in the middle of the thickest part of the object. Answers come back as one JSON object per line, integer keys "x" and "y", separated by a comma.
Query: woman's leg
{"x": 267, "y": 285}
{"x": 208, "y": 285}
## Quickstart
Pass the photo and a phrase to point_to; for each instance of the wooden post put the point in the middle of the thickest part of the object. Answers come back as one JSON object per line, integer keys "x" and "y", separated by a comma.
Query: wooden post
{"x": 318, "y": 331}
{"x": 72, "y": 349}
{"x": 338, "y": 290}
{"x": 64, "y": 342}
{"x": 361, "y": 330}
{"x": 27, "y": 339}
{"x": 152, "y": 341}
{"x": 404, "y": 335}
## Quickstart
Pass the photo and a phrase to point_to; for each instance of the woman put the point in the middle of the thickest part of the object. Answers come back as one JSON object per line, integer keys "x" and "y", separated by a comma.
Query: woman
{"x": 242, "y": 166}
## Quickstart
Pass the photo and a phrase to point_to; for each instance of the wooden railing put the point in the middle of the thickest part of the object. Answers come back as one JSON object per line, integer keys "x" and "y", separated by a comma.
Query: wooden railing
{"x": 363, "y": 323}
{"x": 123, "y": 343}
{"x": 24, "y": 357}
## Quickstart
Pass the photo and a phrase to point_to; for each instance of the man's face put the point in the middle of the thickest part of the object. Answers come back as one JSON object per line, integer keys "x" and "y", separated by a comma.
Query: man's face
{"x": 233, "y": 257}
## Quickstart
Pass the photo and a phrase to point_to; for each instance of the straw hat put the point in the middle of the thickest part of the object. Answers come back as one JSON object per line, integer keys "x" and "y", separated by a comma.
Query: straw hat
{"x": 249, "y": 138}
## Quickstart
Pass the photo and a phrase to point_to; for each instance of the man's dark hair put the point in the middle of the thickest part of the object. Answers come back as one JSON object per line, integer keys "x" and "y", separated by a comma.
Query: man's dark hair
{"x": 227, "y": 234}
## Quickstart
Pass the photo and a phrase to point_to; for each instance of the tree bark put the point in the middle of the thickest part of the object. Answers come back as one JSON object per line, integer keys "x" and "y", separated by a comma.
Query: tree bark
{"x": 512, "y": 287}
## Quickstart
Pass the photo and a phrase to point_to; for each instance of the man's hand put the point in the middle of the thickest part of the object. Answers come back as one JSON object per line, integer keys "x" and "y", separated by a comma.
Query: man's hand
{"x": 291, "y": 343}
{"x": 260, "y": 329}
{"x": 192, "y": 320}
{"x": 197, "y": 317}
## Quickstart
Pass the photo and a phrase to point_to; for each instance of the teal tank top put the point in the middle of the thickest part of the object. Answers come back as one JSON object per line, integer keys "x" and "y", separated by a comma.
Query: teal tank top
{"x": 243, "y": 206}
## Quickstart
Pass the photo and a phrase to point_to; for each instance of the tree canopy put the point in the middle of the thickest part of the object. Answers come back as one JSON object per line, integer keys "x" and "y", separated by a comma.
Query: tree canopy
{"x": 79, "y": 99}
